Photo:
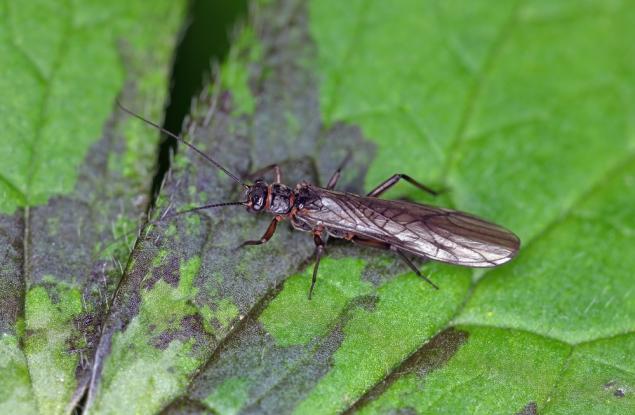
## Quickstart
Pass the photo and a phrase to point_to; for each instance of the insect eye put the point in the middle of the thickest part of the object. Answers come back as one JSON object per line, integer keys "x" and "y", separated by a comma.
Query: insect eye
{"x": 257, "y": 201}
{"x": 258, "y": 196}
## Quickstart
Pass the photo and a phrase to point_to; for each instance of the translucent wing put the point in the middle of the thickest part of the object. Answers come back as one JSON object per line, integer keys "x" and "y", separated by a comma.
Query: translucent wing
{"x": 440, "y": 234}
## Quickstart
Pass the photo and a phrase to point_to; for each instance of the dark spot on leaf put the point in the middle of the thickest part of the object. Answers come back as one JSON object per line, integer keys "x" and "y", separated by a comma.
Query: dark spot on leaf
{"x": 436, "y": 352}
{"x": 429, "y": 357}
{"x": 380, "y": 266}
{"x": 367, "y": 302}
{"x": 618, "y": 391}
{"x": 84, "y": 337}
{"x": 530, "y": 409}
{"x": 129, "y": 305}
{"x": 11, "y": 260}
{"x": 168, "y": 271}
{"x": 279, "y": 377}
{"x": 312, "y": 363}
{"x": 162, "y": 340}
{"x": 190, "y": 327}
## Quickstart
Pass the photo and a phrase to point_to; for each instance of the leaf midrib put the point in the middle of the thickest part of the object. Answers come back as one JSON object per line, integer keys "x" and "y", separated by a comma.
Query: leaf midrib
{"x": 25, "y": 195}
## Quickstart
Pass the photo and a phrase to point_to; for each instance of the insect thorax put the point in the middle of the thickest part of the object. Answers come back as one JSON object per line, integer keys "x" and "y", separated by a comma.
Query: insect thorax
{"x": 281, "y": 199}
{"x": 306, "y": 198}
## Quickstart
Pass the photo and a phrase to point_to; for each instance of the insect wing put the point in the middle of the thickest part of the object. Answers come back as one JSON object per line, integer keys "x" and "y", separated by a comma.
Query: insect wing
{"x": 440, "y": 234}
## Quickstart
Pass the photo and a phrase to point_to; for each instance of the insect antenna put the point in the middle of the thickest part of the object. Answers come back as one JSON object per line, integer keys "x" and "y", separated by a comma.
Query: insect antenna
{"x": 194, "y": 209}
{"x": 180, "y": 139}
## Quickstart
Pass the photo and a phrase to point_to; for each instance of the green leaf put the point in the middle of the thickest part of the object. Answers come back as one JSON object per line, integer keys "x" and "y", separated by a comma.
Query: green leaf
{"x": 161, "y": 332}
{"x": 598, "y": 378}
{"x": 484, "y": 376}
{"x": 523, "y": 110}
{"x": 74, "y": 181}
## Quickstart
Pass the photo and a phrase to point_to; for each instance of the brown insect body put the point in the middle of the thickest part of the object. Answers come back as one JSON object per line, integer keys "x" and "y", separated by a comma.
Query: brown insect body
{"x": 403, "y": 227}
{"x": 435, "y": 233}
{"x": 426, "y": 231}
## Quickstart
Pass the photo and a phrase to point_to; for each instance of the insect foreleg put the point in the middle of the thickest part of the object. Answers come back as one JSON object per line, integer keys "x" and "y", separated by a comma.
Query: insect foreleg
{"x": 276, "y": 171}
{"x": 271, "y": 229}
{"x": 391, "y": 181}
{"x": 319, "y": 250}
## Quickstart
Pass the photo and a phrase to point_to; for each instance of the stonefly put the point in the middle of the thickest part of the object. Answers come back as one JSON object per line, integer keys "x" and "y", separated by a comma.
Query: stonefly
{"x": 425, "y": 231}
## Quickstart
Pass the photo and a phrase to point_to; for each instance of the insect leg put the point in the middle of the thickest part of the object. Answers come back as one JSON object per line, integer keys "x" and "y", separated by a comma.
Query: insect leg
{"x": 385, "y": 245}
{"x": 391, "y": 181}
{"x": 258, "y": 173}
{"x": 336, "y": 176}
{"x": 271, "y": 229}
{"x": 319, "y": 250}
{"x": 413, "y": 267}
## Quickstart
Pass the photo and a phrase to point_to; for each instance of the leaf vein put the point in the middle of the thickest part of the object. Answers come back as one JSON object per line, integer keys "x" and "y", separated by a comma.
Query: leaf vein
{"x": 12, "y": 187}
{"x": 44, "y": 104}
{"x": 354, "y": 43}
{"x": 33, "y": 66}
{"x": 475, "y": 91}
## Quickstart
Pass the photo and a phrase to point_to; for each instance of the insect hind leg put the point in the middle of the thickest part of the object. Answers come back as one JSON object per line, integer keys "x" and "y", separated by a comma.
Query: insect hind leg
{"x": 319, "y": 251}
{"x": 413, "y": 267}
{"x": 386, "y": 246}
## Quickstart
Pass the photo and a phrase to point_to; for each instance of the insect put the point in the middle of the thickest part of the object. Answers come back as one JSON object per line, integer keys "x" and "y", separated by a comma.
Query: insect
{"x": 402, "y": 227}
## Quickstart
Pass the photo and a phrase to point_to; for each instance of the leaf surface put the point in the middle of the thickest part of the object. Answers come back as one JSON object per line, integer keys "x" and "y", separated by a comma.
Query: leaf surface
{"x": 74, "y": 182}
{"x": 524, "y": 111}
